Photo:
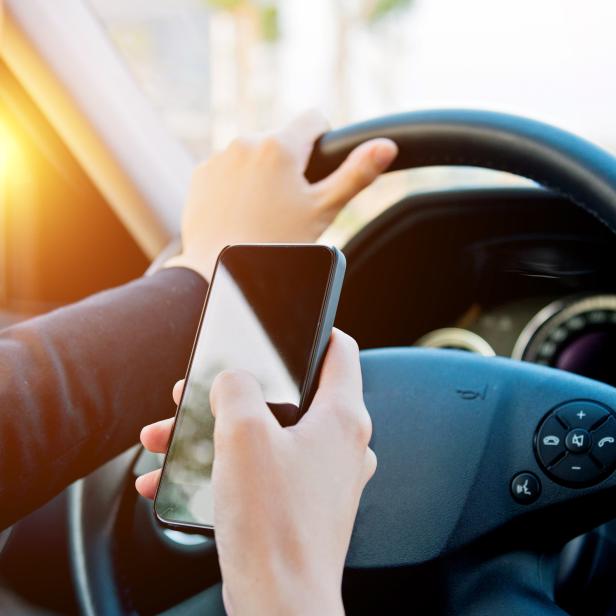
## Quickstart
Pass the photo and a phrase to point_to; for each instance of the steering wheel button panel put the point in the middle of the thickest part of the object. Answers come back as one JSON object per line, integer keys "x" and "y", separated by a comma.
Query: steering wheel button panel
{"x": 576, "y": 443}
{"x": 551, "y": 441}
{"x": 604, "y": 443}
{"x": 582, "y": 414}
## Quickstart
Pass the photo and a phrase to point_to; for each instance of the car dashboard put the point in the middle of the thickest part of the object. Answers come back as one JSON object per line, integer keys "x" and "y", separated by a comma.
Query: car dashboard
{"x": 518, "y": 273}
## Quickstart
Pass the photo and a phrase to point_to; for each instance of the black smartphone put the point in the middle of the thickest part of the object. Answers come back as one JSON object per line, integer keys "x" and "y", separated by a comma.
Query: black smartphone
{"x": 269, "y": 310}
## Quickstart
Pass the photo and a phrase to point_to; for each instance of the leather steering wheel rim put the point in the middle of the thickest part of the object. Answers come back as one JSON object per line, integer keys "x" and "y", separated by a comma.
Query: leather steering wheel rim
{"x": 556, "y": 159}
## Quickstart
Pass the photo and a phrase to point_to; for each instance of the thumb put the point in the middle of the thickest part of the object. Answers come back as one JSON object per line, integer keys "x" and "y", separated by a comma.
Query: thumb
{"x": 238, "y": 404}
{"x": 361, "y": 167}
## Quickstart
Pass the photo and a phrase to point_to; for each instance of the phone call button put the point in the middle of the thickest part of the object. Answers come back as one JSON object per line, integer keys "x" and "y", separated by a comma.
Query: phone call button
{"x": 551, "y": 441}
{"x": 604, "y": 443}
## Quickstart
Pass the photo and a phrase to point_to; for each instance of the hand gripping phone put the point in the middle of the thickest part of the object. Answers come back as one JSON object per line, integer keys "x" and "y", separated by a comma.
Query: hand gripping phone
{"x": 269, "y": 310}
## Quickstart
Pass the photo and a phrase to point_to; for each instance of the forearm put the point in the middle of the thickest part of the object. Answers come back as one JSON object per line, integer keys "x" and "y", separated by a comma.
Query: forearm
{"x": 77, "y": 385}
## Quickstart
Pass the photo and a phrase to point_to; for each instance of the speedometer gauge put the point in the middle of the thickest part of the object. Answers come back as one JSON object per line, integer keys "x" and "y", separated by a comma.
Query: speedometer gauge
{"x": 456, "y": 338}
{"x": 577, "y": 335}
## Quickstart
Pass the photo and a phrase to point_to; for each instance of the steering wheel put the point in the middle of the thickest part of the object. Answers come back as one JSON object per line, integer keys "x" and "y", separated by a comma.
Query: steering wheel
{"x": 487, "y": 466}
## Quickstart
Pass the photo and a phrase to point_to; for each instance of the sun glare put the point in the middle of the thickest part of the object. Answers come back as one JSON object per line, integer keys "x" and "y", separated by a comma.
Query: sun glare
{"x": 12, "y": 160}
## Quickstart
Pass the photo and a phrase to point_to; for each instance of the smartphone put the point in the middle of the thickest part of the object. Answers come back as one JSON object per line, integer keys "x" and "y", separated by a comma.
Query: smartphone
{"x": 269, "y": 310}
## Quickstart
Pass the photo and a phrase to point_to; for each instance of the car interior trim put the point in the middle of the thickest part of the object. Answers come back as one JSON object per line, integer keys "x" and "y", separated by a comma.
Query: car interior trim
{"x": 138, "y": 177}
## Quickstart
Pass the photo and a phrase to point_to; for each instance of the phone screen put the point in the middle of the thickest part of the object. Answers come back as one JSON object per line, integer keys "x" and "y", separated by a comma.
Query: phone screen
{"x": 262, "y": 315}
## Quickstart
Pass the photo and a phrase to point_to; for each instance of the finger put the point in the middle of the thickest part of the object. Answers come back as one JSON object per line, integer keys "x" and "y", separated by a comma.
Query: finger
{"x": 178, "y": 388}
{"x": 238, "y": 404}
{"x": 361, "y": 167}
{"x": 301, "y": 133}
{"x": 338, "y": 400}
{"x": 341, "y": 371}
{"x": 147, "y": 484}
{"x": 155, "y": 437}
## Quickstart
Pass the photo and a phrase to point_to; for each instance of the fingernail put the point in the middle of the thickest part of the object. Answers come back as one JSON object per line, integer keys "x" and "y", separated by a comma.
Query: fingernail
{"x": 383, "y": 154}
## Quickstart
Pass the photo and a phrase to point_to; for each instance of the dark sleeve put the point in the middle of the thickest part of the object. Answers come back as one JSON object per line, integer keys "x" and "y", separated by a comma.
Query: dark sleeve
{"x": 78, "y": 384}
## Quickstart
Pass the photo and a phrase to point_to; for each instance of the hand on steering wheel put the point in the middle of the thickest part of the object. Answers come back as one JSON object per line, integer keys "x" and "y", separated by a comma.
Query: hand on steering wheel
{"x": 255, "y": 191}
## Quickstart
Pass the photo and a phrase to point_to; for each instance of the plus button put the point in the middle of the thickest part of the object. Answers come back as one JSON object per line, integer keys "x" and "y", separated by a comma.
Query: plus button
{"x": 581, "y": 414}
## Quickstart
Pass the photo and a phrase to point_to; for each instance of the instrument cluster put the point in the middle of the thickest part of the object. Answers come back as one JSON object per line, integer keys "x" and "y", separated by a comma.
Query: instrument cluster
{"x": 576, "y": 334}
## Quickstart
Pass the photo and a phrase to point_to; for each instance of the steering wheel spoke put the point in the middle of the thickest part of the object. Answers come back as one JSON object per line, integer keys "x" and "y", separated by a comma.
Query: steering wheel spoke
{"x": 512, "y": 584}
{"x": 456, "y": 439}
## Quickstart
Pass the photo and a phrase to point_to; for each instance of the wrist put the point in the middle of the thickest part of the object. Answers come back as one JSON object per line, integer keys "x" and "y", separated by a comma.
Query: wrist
{"x": 284, "y": 593}
{"x": 203, "y": 267}
{"x": 279, "y": 601}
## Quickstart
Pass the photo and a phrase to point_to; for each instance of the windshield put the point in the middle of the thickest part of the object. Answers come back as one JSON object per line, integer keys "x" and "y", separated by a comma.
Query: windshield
{"x": 217, "y": 68}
